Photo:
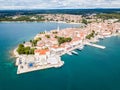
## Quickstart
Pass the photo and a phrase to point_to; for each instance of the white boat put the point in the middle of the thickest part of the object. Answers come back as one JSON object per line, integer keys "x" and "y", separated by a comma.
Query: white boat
{"x": 74, "y": 52}
{"x": 108, "y": 36}
{"x": 80, "y": 48}
{"x": 69, "y": 53}
{"x": 101, "y": 37}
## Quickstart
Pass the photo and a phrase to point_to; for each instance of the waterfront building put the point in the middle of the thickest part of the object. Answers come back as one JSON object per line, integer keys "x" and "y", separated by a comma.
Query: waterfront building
{"x": 27, "y": 44}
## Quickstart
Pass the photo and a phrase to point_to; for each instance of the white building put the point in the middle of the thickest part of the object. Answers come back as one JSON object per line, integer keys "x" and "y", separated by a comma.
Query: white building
{"x": 27, "y": 44}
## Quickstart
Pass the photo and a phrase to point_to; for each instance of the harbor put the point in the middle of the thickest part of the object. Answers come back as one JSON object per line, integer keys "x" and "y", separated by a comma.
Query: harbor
{"x": 52, "y": 61}
{"x": 60, "y": 45}
{"x": 47, "y": 47}
{"x": 79, "y": 66}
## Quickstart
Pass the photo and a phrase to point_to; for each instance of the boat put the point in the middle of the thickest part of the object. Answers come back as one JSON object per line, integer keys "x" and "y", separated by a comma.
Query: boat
{"x": 101, "y": 37}
{"x": 74, "y": 52}
{"x": 80, "y": 48}
{"x": 108, "y": 36}
{"x": 69, "y": 53}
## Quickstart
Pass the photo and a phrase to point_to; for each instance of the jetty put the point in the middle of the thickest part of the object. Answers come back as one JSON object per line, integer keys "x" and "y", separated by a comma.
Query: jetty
{"x": 95, "y": 45}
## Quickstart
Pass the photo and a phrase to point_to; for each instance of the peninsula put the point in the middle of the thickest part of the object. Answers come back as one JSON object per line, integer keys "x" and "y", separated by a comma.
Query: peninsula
{"x": 47, "y": 47}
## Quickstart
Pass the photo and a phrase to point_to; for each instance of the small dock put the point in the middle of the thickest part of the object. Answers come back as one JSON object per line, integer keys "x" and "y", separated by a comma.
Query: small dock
{"x": 95, "y": 45}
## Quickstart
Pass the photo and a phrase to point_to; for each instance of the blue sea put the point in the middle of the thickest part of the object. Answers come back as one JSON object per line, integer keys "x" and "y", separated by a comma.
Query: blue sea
{"x": 92, "y": 69}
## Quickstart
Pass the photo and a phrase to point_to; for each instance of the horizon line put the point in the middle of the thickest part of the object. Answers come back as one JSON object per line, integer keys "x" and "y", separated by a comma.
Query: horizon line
{"x": 60, "y": 8}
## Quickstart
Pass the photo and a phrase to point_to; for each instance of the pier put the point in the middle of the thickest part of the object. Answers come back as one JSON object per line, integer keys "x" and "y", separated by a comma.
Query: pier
{"x": 95, "y": 45}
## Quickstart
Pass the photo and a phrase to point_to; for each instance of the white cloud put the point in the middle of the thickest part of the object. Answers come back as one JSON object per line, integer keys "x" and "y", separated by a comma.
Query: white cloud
{"x": 50, "y": 4}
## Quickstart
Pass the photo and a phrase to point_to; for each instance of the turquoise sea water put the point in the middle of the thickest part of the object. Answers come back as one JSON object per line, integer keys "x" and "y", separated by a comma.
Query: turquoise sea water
{"x": 92, "y": 69}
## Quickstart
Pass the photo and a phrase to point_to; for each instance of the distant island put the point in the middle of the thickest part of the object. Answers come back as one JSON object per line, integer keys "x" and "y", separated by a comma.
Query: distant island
{"x": 47, "y": 47}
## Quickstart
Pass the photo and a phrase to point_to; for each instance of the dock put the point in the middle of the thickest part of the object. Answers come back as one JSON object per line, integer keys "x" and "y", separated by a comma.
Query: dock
{"x": 95, "y": 45}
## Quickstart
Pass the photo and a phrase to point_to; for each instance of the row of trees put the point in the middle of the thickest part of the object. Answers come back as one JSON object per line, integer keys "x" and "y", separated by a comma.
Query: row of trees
{"x": 42, "y": 33}
{"x": 109, "y": 16}
{"x": 55, "y": 32}
{"x": 47, "y": 36}
{"x": 34, "y": 42}
{"x": 84, "y": 21}
{"x": 89, "y": 36}
{"x": 25, "y": 50}
{"x": 63, "y": 40}
{"x": 22, "y": 18}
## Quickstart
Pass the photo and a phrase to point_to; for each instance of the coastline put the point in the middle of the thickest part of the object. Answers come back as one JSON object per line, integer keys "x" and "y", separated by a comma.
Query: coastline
{"x": 15, "y": 53}
{"x": 72, "y": 45}
{"x": 90, "y": 68}
{"x": 38, "y": 22}
{"x": 72, "y": 63}
{"x": 21, "y": 71}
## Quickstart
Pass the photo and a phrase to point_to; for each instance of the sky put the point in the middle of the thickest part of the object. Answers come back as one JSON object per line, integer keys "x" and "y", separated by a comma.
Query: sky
{"x": 58, "y": 4}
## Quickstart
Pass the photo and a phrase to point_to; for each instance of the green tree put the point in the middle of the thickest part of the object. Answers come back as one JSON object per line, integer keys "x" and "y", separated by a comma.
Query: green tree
{"x": 38, "y": 39}
{"x": 56, "y": 36}
{"x": 25, "y": 50}
{"x": 47, "y": 36}
{"x": 21, "y": 45}
{"x": 20, "y": 49}
{"x": 34, "y": 42}
{"x": 23, "y": 42}
{"x": 31, "y": 41}
{"x": 63, "y": 40}
{"x": 89, "y": 36}
{"x": 84, "y": 21}
{"x": 55, "y": 32}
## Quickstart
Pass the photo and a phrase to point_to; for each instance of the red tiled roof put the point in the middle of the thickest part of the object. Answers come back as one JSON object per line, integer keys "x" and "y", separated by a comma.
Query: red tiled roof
{"x": 41, "y": 51}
